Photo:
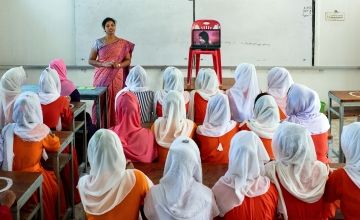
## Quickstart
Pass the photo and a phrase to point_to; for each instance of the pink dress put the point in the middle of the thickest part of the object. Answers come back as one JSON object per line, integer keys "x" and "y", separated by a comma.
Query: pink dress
{"x": 112, "y": 78}
{"x": 138, "y": 142}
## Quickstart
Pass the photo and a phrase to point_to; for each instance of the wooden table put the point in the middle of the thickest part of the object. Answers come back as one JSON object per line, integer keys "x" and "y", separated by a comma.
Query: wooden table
{"x": 58, "y": 161}
{"x": 78, "y": 110}
{"x": 95, "y": 94}
{"x": 344, "y": 99}
{"x": 86, "y": 93}
{"x": 211, "y": 172}
{"x": 25, "y": 184}
{"x": 226, "y": 84}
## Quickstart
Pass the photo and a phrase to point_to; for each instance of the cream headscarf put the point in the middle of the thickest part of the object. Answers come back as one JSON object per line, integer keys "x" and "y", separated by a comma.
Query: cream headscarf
{"x": 206, "y": 85}
{"x": 10, "y": 88}
{"x": 266, "y": 117}
{"x": 28, "y": 126}
{"x": 303, "y": 108}
{"x": 49, "y": 86}
{"x": 217, "y": 120}
{"x": 173, "y": 80}
{"x": 245, "y": 174}
{"x": 243, "y": 93}
{"x": 173, "y": 123}
{"x": 109, "y": 182}
{"x": 295, "y": 166}
{"x": 180, "y": 193}
{"x": 350, "y": 144}
{"x": 135, "y": 81}
{"x": 279, "y": 81}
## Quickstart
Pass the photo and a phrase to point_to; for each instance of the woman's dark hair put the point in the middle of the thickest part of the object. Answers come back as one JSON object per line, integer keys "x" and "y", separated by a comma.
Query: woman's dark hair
{"x": 106, "y": 20}
{"x": 260, "y": 95}
{"x": 204, "y": 35}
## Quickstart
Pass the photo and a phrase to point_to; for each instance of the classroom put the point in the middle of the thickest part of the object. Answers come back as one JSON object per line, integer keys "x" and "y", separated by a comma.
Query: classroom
{"x": 312, "y": 42}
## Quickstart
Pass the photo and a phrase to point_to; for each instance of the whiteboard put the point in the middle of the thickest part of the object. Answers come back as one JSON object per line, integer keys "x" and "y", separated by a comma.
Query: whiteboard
{"x": 262, "y": 32}
{"x": 160, "y": 29}
{"x": 337, "y": 33}
{"x": 33, "y": 32}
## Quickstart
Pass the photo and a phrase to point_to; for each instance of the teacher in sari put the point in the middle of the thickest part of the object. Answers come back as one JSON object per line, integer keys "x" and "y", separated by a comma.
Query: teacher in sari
{"x": 111, "y": 57}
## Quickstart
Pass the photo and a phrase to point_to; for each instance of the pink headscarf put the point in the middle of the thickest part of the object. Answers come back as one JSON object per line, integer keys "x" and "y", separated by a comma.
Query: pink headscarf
{"x": 138, "y": 142}
{"x": 67, "y": 87}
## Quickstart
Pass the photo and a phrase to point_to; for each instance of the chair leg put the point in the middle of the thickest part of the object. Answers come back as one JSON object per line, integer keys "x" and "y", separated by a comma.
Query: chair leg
{"x": 190, "y": 65}
{"x": 219, "y": 66}
{"x": 197, "y": 63}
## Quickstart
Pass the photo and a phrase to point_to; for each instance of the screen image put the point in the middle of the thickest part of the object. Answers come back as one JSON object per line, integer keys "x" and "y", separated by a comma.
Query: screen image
{"x": 206, "y": 39}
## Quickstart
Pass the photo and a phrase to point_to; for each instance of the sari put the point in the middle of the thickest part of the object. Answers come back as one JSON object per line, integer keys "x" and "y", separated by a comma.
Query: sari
{"x": 112, "y": 78}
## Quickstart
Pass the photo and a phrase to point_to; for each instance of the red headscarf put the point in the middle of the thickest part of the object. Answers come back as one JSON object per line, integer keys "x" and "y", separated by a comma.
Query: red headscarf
{"x": 67, "y": 87}
{"x": 138, "y": 142}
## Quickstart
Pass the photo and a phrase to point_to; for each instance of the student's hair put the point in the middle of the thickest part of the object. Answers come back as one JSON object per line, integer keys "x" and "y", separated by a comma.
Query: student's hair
{"x": 106, "y": 20}
{"x": 204, "y": 35}
{"x": 260, "y": 95}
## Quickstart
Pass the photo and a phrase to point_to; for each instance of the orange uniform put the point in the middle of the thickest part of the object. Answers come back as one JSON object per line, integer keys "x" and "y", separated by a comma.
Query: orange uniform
{"x": 129, "y": 208}
{"x": 27, "y": 158}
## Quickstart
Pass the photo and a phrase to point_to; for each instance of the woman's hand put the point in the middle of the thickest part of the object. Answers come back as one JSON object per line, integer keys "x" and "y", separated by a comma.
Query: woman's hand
{"x": 117, "y": 65}
{"x": 107, "y": 64}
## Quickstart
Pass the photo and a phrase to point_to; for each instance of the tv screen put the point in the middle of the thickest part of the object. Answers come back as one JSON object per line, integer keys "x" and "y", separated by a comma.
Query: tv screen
{"x": 205, "y": 39}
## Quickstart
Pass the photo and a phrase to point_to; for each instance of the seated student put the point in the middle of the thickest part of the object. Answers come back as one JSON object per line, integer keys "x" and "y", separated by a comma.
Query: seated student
{"x": 303, "y": 108}
{"x": 10, "y": 88}
{"x": 344, "y": 183}
{"x": 24, "y": 144}
{"x": 299, "y": 178}
{"x": 265, "y": 122}
{"x": 279, "y": 81}
{"x": 137, "y": 142}
{"x": 69, "y": 89}
{"x": 111, "y": 191}
{"x": 242, "y": 94}
{"x": 244, "y": 192}
{"x": 136, "y": 83}
{"x": 7, "y": 200}
{"x": 56, "y": 108}
{"x": 58, "y": 116}
{"x": 206, "y": 86}
{"x": 173, "y": 124}
{"x": 173, "y": 80}
{"x": 214, "y": 135}
{"x": 180, "y": 193}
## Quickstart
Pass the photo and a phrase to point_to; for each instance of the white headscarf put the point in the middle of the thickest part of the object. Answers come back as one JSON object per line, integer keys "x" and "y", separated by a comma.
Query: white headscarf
{"x": 266, "y": 117}
{"x": 242, "y": 95}
{"x": 173, "y": 123}
{"x": 180, "y": 193}
{"x": 173, "y": 80}
{"x": 246, "y": 171}
{"x": 217, "y": 120}
{"x": 295, "y": 166}
{"x": 350, "y": 144}
{"x": 279, "y": 81}
{"x": 10, "y": 88}
{"x": 49, "y": 86}
{"x": 109, "y": 182}
{"x": 303, "y": 108}
{"x": 135, "y": 81}
{"x": 28, "y": 126}
{"x": 206, "y": 85}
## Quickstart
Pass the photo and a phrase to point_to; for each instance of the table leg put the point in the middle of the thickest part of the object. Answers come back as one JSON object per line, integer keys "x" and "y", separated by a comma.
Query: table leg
{"x": 341, "y": 124}
{"x": 85, "y": 142}
{"x": 98, "y": 113}
{"x": 72, "y": 179}
{"x": 106, "y": 109}
{"x": 41, "y": 202}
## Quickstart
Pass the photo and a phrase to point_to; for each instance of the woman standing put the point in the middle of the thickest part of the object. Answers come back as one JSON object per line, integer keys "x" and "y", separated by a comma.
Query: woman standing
{"x": 111, "y": 57}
